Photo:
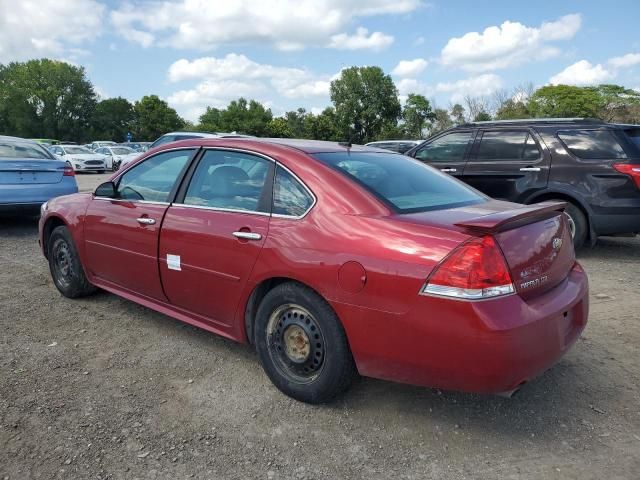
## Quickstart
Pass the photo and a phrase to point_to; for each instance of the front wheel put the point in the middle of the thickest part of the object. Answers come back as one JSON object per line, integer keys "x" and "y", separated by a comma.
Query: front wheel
{"x": 302, "y": 345}
{"x": 64, "y": 264}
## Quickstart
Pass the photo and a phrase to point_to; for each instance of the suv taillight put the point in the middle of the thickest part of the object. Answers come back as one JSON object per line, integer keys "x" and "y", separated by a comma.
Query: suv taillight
{"x": 475, "y": 270}
{"x": 629, "y": 169}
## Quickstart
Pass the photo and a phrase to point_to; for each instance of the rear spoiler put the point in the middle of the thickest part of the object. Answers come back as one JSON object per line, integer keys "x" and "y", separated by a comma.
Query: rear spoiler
{"x": 508, "y": 219}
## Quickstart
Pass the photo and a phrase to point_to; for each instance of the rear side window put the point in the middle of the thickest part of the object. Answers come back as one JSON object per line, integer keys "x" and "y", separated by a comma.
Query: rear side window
{"x": 592, "y": 144}
{"x": 633, "y": 134}
{"x": 290, "y": 198}
{"x": 505, "y": 145}
{"x": 405, "y": 185}
{"x": 448, "y": 148}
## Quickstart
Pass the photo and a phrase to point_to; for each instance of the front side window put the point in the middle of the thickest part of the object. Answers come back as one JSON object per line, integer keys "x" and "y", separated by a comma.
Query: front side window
{"x": 153, "y": 179}
{"x": 290, "y": 198}
{"x": 448, "y": 148}
{"x": 405, "y": 185}
{"x": 230, "y": 181}
{"x": 507, "y": 145}
{"x": 592, "y": 144}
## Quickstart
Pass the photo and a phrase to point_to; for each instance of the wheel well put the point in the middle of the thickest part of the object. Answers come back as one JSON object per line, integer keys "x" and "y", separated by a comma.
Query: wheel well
{"x": 256, "y": 297}
{"x": 566, "y": 198}
{"x": 51, "y": 224}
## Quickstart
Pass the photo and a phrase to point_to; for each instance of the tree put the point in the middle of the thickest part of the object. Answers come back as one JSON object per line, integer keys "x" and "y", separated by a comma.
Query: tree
{"x": 441, "y": 120}
{"x": 242, "y": 116}
{"x": 45, "y": 98}
{"x": 566, "y": 101}
{"x": 458, "y": 114}
{"x": 210, "y": 120}
{"x": 619, "y": 104}
{"x": 482, "y": 116}
{"x": 154, "y": 117}
{"x": 365, "y": 99}
{"x": 477, "y": 108}
{"x": 112, "y": 119}
{"x": 279, "y": 128}
{"x": 512, "y": 109}
{"x": 296, "y": 122}
{"x": 323, "y": 126}
{"x": 417, "y": 114}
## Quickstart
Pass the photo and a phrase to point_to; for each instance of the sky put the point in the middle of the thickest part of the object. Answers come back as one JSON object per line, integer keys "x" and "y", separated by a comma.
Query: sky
{"x": 285, "y": 53}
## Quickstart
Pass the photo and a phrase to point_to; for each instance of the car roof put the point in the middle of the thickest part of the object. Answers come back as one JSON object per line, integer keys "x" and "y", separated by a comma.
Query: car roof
{"x": 69, "y": 145}
{"x": 535, "y": 121}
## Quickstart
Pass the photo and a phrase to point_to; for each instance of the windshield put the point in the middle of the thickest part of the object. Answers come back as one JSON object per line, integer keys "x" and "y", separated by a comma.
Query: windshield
{"x": 77, "y": 151}
{"x": 404, "y": 184}
{"x": 20, "y": 149}
{"x": 122, "y": 151}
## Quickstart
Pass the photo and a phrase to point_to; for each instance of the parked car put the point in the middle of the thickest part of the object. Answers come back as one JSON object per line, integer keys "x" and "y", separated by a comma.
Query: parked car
{"x": 46, "y": 141}
{"x": 30, "y": 175}
{"x": 117, "y": 156}
{"x": 329, "y": 260}
{"x": 139, "y": 147}
{"x": 100, "y": 143}
{"x": 398, "y": 146}
{"x": 81, "y": 158}
{"x": 177, "y": 136}
{"x": 591, "y": 165}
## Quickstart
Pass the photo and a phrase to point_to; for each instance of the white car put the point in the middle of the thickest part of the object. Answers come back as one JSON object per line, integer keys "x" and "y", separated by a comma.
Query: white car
{"x": 117, "y": 156}
{"x": 100, "y": 143}
{"x": 81, "y": 159}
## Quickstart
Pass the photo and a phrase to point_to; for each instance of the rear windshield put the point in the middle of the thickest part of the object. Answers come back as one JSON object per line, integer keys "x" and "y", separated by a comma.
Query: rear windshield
{"x": 404, "y": 184}
{"x": 18, "y": 149}
{"x": 592, "y": 144}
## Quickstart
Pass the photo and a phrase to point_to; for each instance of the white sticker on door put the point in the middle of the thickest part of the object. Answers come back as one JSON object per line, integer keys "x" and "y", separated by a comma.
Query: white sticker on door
{"x": 173, "y": 262}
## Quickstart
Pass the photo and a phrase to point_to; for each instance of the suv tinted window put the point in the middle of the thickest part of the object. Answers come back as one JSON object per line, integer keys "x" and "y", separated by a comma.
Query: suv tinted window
{"x": 289, "y": 196}
{"x": 592, "y": 144}
{"x": 507, "y": 145}
{"x": 402, "y": 183}
{"x": 230, "y": 180}
{"x": 448, "y": 148}
{"x": 153, "y": 179}
{"x": 633, "y": 134}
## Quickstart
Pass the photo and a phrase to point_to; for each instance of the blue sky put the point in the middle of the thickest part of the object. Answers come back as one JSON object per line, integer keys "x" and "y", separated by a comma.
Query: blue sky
{"x": 195, "y": 53}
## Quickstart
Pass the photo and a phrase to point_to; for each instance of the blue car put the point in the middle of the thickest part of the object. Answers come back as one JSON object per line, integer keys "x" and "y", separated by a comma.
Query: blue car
{"x": 30, "y": 175}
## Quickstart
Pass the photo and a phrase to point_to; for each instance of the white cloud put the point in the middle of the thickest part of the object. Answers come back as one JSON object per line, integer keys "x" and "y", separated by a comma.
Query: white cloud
{"x": 361, "y": 40}
{"x": 625, "y": 61}
{"x": 410, "y": 85}
{"x": 410, "y": 68}
{"x": 47, "y": 28}
{"x": 285, "y": 24}
{"x": 480, "y": 85}
{"x": 220, "y": 80}
{"x": 582, "y": 73}
{"x": 508, "y": 45}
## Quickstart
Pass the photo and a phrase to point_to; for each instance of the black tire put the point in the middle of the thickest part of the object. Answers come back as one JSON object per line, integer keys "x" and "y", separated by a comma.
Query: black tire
{"x": 64, "y": 264}
{"x": 577, "y": 224}
{"x": 323, "y": 367}
{"x": 101, "y": 171}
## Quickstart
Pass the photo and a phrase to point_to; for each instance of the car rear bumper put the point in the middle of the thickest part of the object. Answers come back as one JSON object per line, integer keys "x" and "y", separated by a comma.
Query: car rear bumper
{"x": 490, "y": 346}
{"x": 26, "y": 197}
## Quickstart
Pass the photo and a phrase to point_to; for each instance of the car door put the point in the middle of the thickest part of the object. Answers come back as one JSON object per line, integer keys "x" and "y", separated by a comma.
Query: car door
{"x": 447, "y": 152}
{"x": 507, "y": 164}
{"x": 122, "y": 233}
{"x": 213, "y": 233}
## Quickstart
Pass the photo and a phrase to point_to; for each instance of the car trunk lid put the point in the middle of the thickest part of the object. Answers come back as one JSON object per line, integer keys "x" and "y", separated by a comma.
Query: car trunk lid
{"x": 30, "y": 171}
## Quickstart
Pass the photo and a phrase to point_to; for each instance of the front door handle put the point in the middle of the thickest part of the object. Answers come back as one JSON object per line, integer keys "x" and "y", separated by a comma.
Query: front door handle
{"x": 530, "y": 169}
{"x": 146, "y": 221}
{"x": 448, "y": 170}
{"x": 247, "y": 235}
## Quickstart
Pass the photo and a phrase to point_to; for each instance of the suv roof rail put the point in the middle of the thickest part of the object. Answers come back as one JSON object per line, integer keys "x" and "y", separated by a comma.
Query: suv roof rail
{"x": 538, "y": 120}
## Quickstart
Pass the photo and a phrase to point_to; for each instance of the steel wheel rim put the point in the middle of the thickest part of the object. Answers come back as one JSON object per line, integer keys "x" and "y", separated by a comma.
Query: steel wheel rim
{"x": 63, "y": 263}
{"x": 295, "y": 343}
{"x": 571, "y": 224}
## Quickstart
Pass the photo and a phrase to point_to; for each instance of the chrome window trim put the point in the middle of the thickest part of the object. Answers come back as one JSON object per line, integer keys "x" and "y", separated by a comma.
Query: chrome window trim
{"x": 116, "y": 179}
{"x": 304, "y": 185}
{"x": 220, "y": 209}
{"x": 124, "y": 200}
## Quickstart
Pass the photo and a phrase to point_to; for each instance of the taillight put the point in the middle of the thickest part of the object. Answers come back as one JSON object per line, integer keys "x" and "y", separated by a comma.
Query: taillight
{"x": 68, "y": 171}
{"x": 473, "y": 271}
{"x": 629, "y": 169}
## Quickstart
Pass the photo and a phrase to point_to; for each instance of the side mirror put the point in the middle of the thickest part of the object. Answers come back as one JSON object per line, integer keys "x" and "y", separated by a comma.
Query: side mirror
{"x": 106, "y": 189}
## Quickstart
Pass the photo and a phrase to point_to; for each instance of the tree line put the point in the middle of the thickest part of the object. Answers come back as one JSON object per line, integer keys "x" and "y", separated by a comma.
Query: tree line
{"x": 51, "y": 99}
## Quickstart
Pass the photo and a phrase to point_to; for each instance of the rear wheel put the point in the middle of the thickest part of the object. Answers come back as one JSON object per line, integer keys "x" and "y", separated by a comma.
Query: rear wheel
{"x": 577, "y": 223}
{"x": 64, "y": 264}
{"x": 302, "y": 345}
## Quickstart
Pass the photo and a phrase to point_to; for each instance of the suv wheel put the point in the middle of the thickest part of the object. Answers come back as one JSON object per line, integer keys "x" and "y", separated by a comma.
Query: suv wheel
{"x": 577, "y": 224}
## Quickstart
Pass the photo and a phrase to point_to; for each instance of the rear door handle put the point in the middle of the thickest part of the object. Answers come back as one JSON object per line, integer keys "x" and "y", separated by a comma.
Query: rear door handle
{"x": 247, "y": 235}
{"x": 146, "y": 221}
{"x": 530, "y": 169}
{"x": 448, "y": 170}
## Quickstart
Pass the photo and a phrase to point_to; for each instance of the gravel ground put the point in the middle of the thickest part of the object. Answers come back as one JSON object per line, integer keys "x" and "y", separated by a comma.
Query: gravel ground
{"x": 103, "y": 388}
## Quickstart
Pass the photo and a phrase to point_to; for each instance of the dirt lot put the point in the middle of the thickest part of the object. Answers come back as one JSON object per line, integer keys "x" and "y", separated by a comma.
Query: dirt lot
{"x": 102, "y": 388}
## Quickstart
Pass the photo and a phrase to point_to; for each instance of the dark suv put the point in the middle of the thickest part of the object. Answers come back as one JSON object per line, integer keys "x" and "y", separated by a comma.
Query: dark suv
{"x": 591, "y": 165}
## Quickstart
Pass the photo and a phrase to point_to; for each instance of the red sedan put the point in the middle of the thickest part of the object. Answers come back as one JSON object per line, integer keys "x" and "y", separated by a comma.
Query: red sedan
{"x": 331, "y": 260}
